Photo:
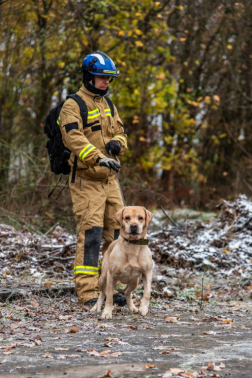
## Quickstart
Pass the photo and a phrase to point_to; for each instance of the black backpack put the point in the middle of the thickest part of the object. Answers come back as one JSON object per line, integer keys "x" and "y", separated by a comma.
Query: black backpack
{"x": 58, "y": 153}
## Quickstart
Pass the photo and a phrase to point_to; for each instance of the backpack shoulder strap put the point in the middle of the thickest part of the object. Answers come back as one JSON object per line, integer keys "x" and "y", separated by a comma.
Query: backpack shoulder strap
{"x": 111, "y": 105}
{"x": 82, "y": 106}
{"x": 84, "y": 116}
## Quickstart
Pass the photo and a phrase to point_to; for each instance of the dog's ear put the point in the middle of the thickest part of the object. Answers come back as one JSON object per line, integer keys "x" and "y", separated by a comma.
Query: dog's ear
{"x": 119, "y": 216}
{"x": 148, "y": 217}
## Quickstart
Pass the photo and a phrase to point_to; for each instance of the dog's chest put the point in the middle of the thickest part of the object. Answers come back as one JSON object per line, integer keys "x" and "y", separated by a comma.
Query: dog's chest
{"x": 130, "y": 270}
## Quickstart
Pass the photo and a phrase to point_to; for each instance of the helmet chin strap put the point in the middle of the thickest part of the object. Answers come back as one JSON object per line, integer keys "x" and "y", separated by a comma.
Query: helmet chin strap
{"x": 87, "y": 77}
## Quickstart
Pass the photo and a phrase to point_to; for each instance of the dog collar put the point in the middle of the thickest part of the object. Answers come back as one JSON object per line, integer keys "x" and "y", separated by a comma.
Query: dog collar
{"x": 139, "y": 241}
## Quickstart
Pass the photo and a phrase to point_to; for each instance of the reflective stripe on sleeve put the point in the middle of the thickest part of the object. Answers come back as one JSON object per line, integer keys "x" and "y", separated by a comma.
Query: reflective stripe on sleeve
{"x": 58, "y": 120}
{"x": 93, "y": 113}
{"x": 123, "y": 139}
{"x": 108, "y": 112}
{"x": 86, "y": 150}
{"x": 86, "y": 270}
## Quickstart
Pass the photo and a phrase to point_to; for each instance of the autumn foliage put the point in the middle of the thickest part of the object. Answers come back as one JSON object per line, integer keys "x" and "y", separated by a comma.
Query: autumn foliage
{"x": 184, "y": 91}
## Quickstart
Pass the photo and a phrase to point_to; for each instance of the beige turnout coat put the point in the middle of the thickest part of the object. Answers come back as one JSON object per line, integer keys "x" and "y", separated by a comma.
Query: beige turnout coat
{"x": 88, "y": 143}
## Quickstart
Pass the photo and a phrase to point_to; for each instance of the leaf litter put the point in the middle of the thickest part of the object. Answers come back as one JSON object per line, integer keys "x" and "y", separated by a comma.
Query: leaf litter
{"x": 30, "y": 314}
{"x": 223, "y": 245}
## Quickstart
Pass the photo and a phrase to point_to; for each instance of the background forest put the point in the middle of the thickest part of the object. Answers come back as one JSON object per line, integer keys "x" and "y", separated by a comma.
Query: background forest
{"x": 184, "y": 94}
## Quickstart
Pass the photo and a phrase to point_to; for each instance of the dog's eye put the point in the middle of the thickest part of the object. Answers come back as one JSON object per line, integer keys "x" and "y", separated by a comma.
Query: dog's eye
{"x": 127, "y": 218}
{"x": 140, "y": 218}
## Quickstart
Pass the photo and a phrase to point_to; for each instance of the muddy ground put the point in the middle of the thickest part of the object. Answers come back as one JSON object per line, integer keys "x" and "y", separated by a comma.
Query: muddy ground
{"x": 56, "y": 337}
{"x": 199, "y": 323}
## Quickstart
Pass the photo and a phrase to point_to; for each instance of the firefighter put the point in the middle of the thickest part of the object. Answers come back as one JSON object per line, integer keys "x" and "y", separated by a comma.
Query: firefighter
{"x": 95, "y": 150}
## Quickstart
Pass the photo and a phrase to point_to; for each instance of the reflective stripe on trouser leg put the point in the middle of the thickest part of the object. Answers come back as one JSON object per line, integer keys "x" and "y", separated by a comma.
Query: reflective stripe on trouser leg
{"x": 91, "y": 252}
{"x": 86, "y": 276}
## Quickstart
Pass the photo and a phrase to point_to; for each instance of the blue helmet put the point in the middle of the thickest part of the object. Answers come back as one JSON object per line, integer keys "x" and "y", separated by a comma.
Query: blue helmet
{"x": 99, "y": 63}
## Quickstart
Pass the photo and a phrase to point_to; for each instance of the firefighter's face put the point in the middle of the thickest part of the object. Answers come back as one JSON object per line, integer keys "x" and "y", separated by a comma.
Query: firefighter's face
{"x": 102, "y": 82}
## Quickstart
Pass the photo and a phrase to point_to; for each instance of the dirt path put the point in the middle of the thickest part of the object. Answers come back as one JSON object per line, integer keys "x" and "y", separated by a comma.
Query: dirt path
{"x": 173, "y": 336}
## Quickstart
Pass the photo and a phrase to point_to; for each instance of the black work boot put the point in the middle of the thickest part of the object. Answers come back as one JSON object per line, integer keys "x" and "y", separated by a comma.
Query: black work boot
{"x": 91, "y": 302}
{"x": 119, "y": 300}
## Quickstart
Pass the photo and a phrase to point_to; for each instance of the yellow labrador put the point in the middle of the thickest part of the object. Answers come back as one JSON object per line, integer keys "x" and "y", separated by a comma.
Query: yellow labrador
{"x": 126, "y": 259}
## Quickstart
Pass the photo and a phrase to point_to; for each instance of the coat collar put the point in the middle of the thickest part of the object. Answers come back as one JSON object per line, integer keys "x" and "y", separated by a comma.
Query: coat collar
{"x": 86, "y": 92}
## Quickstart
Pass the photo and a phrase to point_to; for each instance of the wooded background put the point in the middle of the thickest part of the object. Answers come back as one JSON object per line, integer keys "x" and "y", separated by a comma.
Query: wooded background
{"x": 184, "y": 95}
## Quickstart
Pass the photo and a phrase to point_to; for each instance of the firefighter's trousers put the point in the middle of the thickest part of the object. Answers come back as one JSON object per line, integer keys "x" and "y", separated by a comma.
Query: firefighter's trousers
{"x": 94, "y": 204}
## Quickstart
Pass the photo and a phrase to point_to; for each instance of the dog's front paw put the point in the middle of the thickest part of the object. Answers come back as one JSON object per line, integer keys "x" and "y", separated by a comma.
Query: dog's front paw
{"x": 107, "y": 314}
{"x": 143, "y": 310}
{"x": 133, "y": 309}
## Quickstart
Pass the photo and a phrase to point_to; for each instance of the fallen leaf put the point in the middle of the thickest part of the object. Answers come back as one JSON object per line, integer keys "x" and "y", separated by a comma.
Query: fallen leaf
{"x": 93, "y": 352}
{"x": 165, "y": 352}
{"x": 115, "y": 354}
{"x": 72, "y": 356}
{"x": 226, "y": 251}
{"x": 107, "y": 374}
{"x": 190, "y": 374}
{"x": 132, "y": 327}
{"x": 208, "y": 333}
{"x": 34, "y": 303}
{"x": 111, "y": 339}
{"x": 107, "y": 351}
{"x": 59, "y": 348}
{"x": 104, "y": 325}
{"x": 71, "y": 330}
{"x": 28, "y": 345}
{"x": 61, "y": 357}
{"x": 65, "y": 317}
{"x": 171, "y": 319}
{"x": 212, "y": 366}
{"x": 194, "y": 310}
{"x": 8, "y": 348}
{"x": 149, "y": 366}
{"x": 48, "y": 283}
{"x": 176, "y": 370}
{"x": 227, "y": 321}
{"x": 47, "y": 355}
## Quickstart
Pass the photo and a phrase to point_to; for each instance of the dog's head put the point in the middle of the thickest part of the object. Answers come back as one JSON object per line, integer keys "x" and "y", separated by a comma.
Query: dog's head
{"x": 134, "y": 221}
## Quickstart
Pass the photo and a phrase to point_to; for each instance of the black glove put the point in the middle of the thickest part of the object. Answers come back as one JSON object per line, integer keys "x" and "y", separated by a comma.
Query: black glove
{"x": 109, "y": 163}
{"x": 114, "y": 147}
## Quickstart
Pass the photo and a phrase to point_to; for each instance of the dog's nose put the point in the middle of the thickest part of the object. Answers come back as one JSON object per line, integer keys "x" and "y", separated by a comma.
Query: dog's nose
{"x": 133, "y": 227}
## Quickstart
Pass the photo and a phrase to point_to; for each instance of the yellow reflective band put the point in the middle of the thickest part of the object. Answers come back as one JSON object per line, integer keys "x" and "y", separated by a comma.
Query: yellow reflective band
{"x": 107, "y": 71}
{"x": 86, "y": 270}
{"x": 86, "y": 150}
{"x": 93, "y": 113}
{"x": 123, "y": 139}
{"x": 108, "y": 112}
{"x": 58, "y": 120}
